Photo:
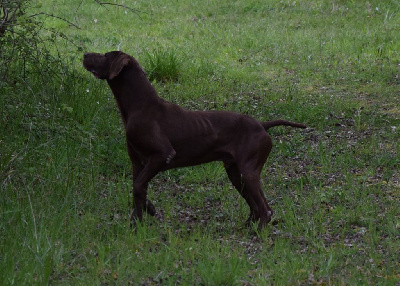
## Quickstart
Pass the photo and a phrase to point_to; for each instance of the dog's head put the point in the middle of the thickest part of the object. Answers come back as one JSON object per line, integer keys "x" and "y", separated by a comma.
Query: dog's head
{"x": 109, "y": 65}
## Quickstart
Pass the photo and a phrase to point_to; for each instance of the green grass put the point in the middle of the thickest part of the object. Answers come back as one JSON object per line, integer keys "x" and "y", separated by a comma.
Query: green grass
{"x": 162, "y": 66}
{"x": 65, "y": 175}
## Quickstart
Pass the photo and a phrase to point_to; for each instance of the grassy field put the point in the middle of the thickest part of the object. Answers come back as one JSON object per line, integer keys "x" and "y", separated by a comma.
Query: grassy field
{"x": 335, "y": 187}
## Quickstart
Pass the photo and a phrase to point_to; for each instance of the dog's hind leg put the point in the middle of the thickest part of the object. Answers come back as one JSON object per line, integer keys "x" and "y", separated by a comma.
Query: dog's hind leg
{"x": 254, "y": 192}
{"x": 250, "y": 161}
{"x": 237, "y": 181}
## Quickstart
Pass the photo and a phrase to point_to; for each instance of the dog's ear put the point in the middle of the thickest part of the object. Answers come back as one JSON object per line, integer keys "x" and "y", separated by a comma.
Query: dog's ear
{"x": 118, "y": 64}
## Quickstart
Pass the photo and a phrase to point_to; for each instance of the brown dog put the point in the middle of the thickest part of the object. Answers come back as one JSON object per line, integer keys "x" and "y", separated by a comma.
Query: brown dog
{"x": 161, "y": 135}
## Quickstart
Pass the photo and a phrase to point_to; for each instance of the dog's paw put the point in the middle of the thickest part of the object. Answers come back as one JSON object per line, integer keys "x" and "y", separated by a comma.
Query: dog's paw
{"x": 150, "y": 209}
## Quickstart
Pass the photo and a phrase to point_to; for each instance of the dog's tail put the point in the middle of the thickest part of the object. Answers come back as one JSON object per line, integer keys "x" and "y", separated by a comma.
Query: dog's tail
{"x": 268, "y": 124}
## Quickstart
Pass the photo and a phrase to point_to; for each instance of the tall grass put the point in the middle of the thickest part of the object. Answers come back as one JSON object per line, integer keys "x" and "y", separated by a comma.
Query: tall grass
{"x": 163, "y": 65}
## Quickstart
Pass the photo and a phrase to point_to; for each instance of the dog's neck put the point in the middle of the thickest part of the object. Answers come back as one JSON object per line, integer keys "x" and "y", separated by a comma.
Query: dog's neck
{"x": 141, "y": 94}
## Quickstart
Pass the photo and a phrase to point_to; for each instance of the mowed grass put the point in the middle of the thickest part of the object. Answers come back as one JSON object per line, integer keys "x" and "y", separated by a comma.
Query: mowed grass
{"x": 335, "y": 187}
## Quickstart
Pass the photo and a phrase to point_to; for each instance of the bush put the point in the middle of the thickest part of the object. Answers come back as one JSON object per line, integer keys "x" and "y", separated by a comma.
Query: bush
{"x": 25, "y": 55}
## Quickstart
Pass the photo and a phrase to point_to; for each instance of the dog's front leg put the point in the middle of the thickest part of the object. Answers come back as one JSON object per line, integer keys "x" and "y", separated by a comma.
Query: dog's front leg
{"x": 154, "y": 164}
{"x": 150, "y": 150}
{"x": 137, "y": 168}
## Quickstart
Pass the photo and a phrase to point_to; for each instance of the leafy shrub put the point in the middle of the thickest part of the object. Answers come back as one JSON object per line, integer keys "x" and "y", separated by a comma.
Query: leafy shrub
{"x": 22, "y": 51}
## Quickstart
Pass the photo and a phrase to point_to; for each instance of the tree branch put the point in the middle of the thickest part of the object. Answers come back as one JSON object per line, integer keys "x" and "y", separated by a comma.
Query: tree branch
{"x": 9, "y": 15}
{"x": 119, "y": 5}
{"x": 53, "y": 16}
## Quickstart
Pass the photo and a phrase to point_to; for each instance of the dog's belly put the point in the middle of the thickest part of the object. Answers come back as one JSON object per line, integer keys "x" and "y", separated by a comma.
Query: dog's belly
{"x": 196, "y": 153}
{"x": 192, "y": 162}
